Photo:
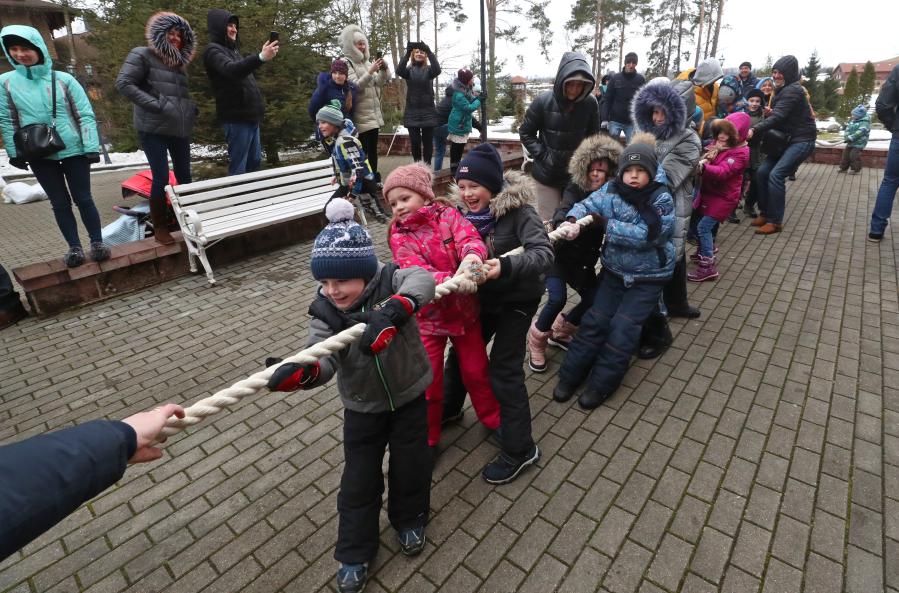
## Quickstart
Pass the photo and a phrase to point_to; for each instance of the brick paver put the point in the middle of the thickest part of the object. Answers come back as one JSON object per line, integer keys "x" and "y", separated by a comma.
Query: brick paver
{"x": 760, "y": 453}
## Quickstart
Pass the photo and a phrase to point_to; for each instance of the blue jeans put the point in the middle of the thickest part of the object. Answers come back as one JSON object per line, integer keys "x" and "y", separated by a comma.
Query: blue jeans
{"x": 557, "y": 296}
{"x": 244, "y": 147}
{"x": 440, "y": 133}
{"x": 616, "y": 128}
{"x": 883, "y": 207}
{"x": 706, "y": 231}
{"x": 771, "y": 175}
{"x": 155, "y": 147}
{"x": 67, "y": 181}
{"x": 609, "y": 334}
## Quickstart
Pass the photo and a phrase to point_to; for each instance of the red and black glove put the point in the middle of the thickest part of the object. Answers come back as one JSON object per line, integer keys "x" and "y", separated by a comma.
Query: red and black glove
{"x": 384, "y": 322}
{"x": 292, "y": 376}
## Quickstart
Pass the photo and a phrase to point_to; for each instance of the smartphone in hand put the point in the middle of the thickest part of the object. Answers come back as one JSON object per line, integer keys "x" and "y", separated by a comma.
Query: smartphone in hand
{"x": 272, "y": 36}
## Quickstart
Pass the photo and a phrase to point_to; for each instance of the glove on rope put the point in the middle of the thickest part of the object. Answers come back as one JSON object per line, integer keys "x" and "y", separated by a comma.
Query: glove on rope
{"x": 383, "y": 322}
{"x": 292, "y": 376}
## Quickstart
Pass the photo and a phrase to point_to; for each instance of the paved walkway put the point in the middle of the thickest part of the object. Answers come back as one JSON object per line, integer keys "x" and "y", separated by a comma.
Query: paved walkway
{"x": 760, "y": 453}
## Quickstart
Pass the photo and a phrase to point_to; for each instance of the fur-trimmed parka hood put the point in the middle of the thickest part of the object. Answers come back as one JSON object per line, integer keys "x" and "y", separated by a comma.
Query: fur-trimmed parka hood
{"x": 347, "y": 42}
{"x": 518, "y": 190}
{"x": 593, "y": 148}
{"x": 666, "y": 98}
{"x": 158, "y": 26}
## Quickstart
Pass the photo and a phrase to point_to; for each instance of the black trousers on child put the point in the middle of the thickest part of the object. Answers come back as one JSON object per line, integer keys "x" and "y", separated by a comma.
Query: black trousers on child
{"x": 457, "y": 149}
{"x": 609, "y": 334}
{"x": 507, "y": 325}
{"x": 365, "y": 438}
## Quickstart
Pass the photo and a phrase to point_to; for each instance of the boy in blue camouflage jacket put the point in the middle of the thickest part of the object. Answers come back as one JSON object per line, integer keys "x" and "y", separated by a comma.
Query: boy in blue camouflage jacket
{"x": 351, "y": 168}
{"x": 856, "y": 135}
{"x": 638, "y": 258}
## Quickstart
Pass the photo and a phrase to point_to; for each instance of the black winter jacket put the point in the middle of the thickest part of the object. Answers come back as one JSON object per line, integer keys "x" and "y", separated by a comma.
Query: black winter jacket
{"x": 237, "y": 97}
{"x": 47, "y": 477}
{"x": 420, "y": 111}
{"x": 553, "y": 126}
{"x": 888, "y": 101}
{"x": 517, "y": 224}
{"x": 791, "y": 111}
{"x": 445, "y": 107}
{"x": 154, "y": 78}
{"x": 619, "y": 93}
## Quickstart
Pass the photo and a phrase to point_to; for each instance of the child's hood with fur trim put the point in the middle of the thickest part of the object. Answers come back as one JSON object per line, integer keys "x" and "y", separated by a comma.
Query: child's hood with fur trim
{"x": 593, "y": 148}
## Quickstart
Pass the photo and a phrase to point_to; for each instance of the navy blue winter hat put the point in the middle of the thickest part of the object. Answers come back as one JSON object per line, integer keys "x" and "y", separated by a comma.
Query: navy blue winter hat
{"x": 343, "y": 249}
{"x": 484, "y": 166}
{"x": 859, "y": 112}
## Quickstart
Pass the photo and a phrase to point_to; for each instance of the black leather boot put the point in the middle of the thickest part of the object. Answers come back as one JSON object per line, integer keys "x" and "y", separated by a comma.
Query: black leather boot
{"x": 655, "y": 337}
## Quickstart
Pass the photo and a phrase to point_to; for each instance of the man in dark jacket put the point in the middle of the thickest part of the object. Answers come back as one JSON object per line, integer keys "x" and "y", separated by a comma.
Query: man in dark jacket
{"x": 554, "y": 125}
{"x": 886, "y": 106}
{"x": 747, "y": 79}
{"x": 791, "y": 116}
{"x": 617, "y": 105}
{"x": 48, "y": 476}
{"x": 238, "y": 102}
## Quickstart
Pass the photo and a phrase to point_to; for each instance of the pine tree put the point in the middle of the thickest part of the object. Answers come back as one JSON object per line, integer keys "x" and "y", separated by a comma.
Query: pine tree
{"x": 850, "y": 96}
{"x": 811, "y": 84}
{"x": 767, "y": 68}
{"x": 866, "y": 84}
{"x": 831, "y": 98}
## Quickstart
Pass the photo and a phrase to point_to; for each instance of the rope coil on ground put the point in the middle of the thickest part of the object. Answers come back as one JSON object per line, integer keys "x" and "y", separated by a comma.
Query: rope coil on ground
{"x": 256, "y": 382}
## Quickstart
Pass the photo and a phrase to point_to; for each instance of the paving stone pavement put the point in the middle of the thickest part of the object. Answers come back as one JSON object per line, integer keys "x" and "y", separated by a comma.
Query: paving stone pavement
{"x": 760, "y": 453}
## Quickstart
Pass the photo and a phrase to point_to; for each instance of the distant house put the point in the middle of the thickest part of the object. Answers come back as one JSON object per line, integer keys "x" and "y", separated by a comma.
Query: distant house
{"x": 882, "y": 69}
{"x": 46, "y": 17}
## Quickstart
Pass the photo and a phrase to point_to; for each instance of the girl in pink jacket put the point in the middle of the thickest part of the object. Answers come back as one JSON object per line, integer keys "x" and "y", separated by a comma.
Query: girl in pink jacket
{"x": 722, "y": 169}
{"x": 432, "y": 234}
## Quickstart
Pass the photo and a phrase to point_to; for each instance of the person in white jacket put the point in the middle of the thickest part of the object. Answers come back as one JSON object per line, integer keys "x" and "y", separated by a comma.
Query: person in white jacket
{"x": 369, "y": 77}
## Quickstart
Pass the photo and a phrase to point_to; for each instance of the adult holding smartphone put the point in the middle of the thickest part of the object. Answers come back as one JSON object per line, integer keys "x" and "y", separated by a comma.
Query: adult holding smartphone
{"x": 154, "y": 78}
{"x": 239, "y": 107}
{"x": 419, "y": 67}
{"x": 369, "y": 77}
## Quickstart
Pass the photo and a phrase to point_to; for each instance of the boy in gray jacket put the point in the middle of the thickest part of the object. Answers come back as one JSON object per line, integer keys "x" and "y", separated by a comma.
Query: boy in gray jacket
{"x": 381, "y": 388}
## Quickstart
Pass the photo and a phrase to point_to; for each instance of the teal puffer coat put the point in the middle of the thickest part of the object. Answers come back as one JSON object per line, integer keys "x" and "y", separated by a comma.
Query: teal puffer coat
{"x": 25, "y": 98}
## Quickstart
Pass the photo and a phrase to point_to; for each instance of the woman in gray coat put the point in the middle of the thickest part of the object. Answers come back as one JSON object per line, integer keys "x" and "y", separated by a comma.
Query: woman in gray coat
{"x": 663, "y": 109}
{"x": 154, "y": 78}
{"x": 420, "y": 117}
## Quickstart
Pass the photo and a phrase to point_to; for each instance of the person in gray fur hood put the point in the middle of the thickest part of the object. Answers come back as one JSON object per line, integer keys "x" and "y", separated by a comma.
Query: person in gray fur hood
{"x": 663, "y": 109}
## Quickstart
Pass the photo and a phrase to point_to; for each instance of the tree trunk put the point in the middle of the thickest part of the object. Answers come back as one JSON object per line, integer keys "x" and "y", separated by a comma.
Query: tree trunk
{"x": 436, "y": 78}
{"x": 398, "y": 26}
{"x": 621, "y": 44}
{"x": 699, "y": 40}
{"x": 491, "y": 45}
{"x": 680, "y": 33}
{"x": 597, "y": 41}
{"x": 418, "y": 20}
{"x": 717, "y": 27}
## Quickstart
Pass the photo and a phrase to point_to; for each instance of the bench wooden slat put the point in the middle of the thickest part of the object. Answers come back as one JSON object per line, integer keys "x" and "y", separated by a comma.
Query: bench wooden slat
{"x": 320, "y": 177}
{"x": 235, "y": 217}
{"x": 198, "y": 186}
{"x": 219, "y": 229}
{"x": 288, "y": 192}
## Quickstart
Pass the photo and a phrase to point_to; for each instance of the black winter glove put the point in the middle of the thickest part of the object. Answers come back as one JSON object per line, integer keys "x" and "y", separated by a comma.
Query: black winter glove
{"x": 19, "y": 163}
{"x": 483, "y": 96}
{"x": 410, "y": 46}
{"x": 384, "y": 322}
{"x": 92, "y": 157}
{"x": 424, "y": 47}
{"x": 291, "y": 376}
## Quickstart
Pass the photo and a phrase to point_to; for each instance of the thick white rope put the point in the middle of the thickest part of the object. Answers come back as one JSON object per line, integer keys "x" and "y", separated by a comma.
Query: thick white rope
{"x": 256, "y": 382}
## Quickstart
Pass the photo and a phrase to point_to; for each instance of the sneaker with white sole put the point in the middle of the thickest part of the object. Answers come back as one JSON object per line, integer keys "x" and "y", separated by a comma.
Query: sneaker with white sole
{"x": 506, "y": 468}
{"x": 352, "y": 578}
{"x": 412, "y": 541}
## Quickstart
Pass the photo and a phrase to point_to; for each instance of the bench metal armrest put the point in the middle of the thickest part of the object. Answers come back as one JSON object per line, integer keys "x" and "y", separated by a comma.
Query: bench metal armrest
{"x": 193, "y": 220}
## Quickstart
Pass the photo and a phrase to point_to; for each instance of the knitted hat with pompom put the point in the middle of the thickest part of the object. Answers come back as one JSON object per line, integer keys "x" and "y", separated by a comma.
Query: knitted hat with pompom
{"x": 343, "y": 250}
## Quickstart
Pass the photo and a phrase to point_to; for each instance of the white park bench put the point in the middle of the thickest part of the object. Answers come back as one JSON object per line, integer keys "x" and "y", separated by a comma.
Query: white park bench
{"x": 211, "y": 210}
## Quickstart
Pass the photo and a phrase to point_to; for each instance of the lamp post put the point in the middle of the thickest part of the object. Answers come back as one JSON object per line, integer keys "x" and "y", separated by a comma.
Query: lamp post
{"x": 483, "y": 71}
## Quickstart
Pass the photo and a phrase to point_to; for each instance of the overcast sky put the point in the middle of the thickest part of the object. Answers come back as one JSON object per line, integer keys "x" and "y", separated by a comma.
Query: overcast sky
{"x": 840, "y": 31}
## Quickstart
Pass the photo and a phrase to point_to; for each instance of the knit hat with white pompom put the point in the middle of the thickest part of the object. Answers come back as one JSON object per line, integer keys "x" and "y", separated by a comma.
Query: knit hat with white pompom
{"x": 343, "y": 250}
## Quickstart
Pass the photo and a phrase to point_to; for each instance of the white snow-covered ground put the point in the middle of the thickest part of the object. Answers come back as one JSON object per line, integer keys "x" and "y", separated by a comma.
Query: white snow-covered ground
{"x": 501, "y": 130}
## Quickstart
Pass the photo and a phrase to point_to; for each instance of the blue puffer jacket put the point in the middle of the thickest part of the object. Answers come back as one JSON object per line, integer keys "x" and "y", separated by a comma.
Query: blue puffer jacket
{"x": 26, "y": 91}
{"x": 326, "y": 90}
{"x": 464, "y": 104}
{"x": 626, "y": 251}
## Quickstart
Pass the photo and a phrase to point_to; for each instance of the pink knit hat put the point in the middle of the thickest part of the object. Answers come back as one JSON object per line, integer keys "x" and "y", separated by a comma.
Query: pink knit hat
{"x": 418, "y": 177}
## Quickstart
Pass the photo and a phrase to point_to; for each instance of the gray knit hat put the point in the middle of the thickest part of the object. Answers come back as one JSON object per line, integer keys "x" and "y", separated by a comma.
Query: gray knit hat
{"x": 331, "y": 113}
